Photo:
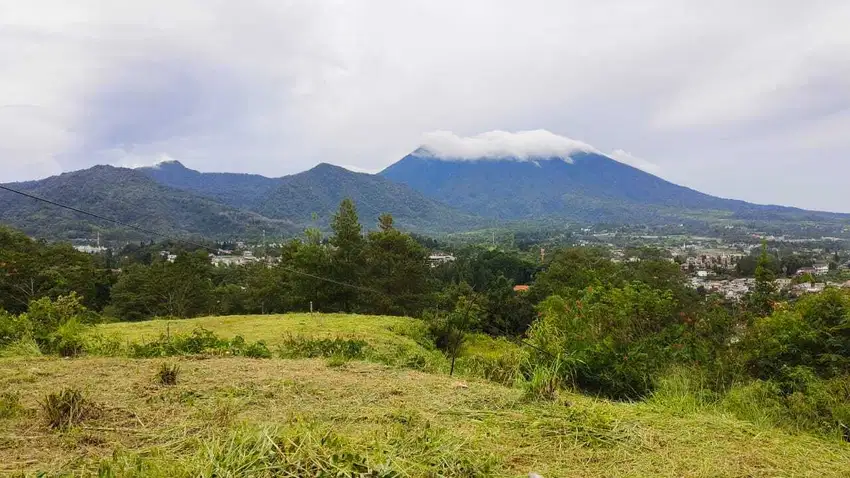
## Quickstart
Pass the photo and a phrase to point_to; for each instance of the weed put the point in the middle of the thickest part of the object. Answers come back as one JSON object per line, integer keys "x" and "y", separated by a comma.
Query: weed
{"x": 167, "y": 374}
{"x": 544, "y": 383}
{"x": 10, "y": 404}
{"x": 67, "y": 408}
{"x": 221, "y": 413}
{"x": 23, "y": 347}
{"x": 336, "y": 361}
{"x": 200, "y": 341}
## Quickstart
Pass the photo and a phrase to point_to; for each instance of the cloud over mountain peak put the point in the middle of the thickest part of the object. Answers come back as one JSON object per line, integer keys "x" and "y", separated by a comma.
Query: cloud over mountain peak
{"x": 521, "y": 145}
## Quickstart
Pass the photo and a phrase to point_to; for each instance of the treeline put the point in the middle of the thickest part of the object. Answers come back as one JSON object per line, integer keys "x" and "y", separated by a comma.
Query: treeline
{"x": 385, "y": 271}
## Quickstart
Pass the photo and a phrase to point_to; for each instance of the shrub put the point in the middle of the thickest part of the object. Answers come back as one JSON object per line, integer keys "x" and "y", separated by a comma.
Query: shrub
{"x": 14, "y": 328}
{"x": 167, "y": 374}
{"x": 306, "y": 347}
{"x": 544, "y": 383}
{"x": 24, "y": 347}
{"x": 799, "y": 401}
{"x": 67, "y": 408}
{"x": 100, "y": 344}
{"x": 199, "y": 341}
{"x": 67, "y": 339}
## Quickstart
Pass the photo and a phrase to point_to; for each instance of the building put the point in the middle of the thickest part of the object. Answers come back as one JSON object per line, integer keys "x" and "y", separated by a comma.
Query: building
{"x": 90, "y": 249}
{"x": 439, "y": 258}
{"x": 521, "y": 288}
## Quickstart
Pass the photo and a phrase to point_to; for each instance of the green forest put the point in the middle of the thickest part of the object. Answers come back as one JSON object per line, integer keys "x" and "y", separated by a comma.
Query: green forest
{"x": 627, "y": 331}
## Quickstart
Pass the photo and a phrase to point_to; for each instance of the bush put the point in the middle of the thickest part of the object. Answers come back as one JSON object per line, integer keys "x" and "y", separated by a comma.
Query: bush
{"x": 199, "y": 341}
{"x": 167, "y": 374}
{"x": 14, "y": 328}
{"x": 799, "y": 401}
{"x": 67, "y": 408}
{"x": 306, "y": 347}
{"x": 815, "y": 334}
{"x": 67, "y": 339}
{"x": 25, "y": 347}
{"x": 544, "y": 383}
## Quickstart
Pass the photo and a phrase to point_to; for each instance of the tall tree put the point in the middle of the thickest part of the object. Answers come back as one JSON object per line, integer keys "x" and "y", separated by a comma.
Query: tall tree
{"x": 764, "y": 294}
{"x": 397, "y": 271}
{"x": 347, "y": 240}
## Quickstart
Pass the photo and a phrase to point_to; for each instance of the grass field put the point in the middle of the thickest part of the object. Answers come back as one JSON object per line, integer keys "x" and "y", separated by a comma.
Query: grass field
{"x": 233, "y": 416}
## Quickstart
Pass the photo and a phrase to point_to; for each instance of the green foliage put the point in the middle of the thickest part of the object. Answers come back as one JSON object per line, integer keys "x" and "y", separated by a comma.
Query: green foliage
{"x": 244, "y": 451}
{"x": 614, "y": 341}
{"x": 199, "y": 341}
{"x": 51, "y": 326}
{"x": 182, "y": 289}
{"x": 67, "y": 408}
{"x": 67, "y": 340}
{"x": 814, "y": 333}
{"x": 798, "y": 400}
{"x": 24, "y": 347}
{"x": 31, "y": 270}
{"x": 761, "y": 299}
{"x": 450, "y": 330}
{"x": 14, "y": 328}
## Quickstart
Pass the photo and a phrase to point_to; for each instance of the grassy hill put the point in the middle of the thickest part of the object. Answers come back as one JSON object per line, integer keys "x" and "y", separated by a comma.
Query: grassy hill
{"x": 237, "y": 416}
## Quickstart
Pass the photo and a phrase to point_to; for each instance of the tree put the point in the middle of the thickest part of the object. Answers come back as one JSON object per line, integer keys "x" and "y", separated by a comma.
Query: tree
{"x": 347, "y": 257}
{"x": 764, "y": 294}
{"x": 397, "y": 269}
{"x": 385, "y": 222}
{"x": 451, "y": 329}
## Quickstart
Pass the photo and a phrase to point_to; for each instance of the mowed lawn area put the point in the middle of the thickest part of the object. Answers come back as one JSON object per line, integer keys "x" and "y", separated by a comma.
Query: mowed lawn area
{"x": 264, "y": 417}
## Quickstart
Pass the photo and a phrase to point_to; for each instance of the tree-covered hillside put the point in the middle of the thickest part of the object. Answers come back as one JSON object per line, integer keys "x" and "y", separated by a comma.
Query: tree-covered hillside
{"x": 128, "y": 196}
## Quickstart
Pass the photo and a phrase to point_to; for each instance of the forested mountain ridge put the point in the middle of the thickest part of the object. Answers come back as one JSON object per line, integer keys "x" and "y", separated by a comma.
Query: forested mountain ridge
{"x": 128, "y": 196}
{"x": 175, "y": 200}
{"x": 317, "y": 191}
{"x": 585, "y": 187}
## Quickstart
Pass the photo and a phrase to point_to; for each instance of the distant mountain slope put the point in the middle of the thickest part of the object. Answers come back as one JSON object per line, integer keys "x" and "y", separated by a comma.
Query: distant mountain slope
{"x": 237, "y": 190}
{"x": 321, "y": 189}
{"x": 586, "y": 187}
{"x": 317, "y": 191}
{"x": 129, "y": 196}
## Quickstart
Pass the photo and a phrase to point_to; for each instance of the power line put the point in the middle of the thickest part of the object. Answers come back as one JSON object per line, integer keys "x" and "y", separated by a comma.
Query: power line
{"x": 166, "y": 236}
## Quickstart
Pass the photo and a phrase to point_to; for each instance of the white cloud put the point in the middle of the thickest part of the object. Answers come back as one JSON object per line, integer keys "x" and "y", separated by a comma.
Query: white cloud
{"x": 358, "y": 169}
{"x": 522, "y": 145}
{"x": 124, "y": 159}
{"x": 626, "y": 157}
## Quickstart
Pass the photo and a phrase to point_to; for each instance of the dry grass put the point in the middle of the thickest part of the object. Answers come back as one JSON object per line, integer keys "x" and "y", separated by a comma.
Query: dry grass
{"x": 412, "y": 423}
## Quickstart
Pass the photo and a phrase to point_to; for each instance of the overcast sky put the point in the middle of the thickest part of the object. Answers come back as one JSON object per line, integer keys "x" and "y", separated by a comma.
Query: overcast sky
{"x": 740, "y": 99}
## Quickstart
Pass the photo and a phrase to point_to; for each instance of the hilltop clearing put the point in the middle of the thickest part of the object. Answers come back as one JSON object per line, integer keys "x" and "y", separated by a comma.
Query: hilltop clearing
{"x": 239, "y": 416}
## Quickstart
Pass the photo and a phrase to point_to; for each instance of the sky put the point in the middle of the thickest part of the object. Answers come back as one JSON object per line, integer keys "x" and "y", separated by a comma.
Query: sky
{"x": 749, "y": 100}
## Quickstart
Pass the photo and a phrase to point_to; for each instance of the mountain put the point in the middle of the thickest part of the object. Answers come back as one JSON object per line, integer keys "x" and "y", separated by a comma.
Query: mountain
{"x": 128, "y": 196}
{"x": 585, "y": 187}
{"x": 321, "y": 189}
{"x": 237, "y": 190}
{"x": 176, "y": 200}
{"x": 318, "y": 191}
